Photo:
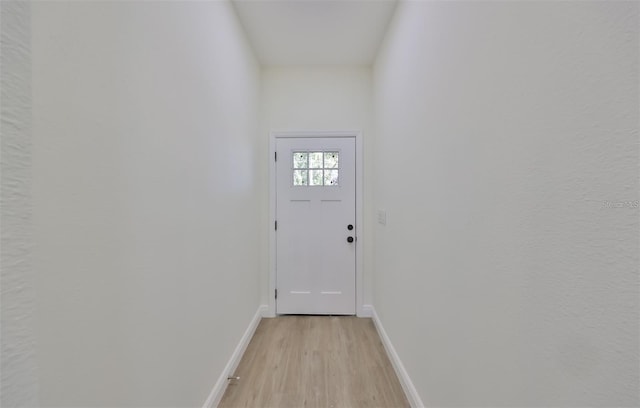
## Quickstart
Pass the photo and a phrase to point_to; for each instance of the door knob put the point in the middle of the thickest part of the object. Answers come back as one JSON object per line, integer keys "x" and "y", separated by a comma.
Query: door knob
{"x": 349, "y": 227}
{"x": 349, "y": 239}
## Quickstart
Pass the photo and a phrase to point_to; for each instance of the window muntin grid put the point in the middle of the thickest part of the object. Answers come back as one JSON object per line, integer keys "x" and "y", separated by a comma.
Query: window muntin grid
{"x": 316, "y": 168}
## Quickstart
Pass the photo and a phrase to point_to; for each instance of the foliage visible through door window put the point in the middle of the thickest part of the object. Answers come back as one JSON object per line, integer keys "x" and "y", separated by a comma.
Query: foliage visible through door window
{"x": 316, "y": 168}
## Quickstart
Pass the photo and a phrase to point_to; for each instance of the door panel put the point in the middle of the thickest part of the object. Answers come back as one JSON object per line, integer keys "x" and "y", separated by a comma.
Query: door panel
{"x": 315, "y": 203}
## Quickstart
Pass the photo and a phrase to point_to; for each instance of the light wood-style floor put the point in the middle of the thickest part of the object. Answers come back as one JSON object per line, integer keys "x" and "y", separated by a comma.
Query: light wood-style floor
{"x": 315, "y": 361}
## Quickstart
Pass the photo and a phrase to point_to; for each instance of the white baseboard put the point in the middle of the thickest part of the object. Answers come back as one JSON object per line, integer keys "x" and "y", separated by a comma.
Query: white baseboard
{"x": 221, "y": 385}
{"x": 266, "y": 312}
{"x": 367, "y": 311}
{"x": 409, "y": 390}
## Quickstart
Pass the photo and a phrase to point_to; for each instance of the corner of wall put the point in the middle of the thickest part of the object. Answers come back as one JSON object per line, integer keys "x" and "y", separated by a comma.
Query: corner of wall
{"x": 407, "y": 385}
{"x": 220, "y": 386}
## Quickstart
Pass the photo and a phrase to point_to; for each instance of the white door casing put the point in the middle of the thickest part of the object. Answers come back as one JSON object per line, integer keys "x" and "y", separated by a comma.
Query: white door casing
{"x": 315, "y": 262}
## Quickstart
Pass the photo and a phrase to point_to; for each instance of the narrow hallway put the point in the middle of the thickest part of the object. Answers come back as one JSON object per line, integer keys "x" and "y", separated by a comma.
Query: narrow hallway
{"x": 175, "y": 171}
{"x": 315, "y": 361}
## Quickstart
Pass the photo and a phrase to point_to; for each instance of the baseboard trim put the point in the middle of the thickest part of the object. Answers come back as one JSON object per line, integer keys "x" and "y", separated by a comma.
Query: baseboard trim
{"x": 221, "y": 385}
{"x": 407, "y": 385}
{"x": 266, "y": 312}
{"x": 367, "y": 311}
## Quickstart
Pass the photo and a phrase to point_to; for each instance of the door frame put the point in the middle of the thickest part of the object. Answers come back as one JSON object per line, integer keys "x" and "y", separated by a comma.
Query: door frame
{"x": 359, "y": 167}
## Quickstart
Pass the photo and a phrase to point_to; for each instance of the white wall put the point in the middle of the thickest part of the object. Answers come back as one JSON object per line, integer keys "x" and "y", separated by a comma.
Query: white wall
{"x": 145, "y": 199}
{"x": 19, "y": 364}
{"x": 317, "y": 98}
{"x": 503, "y": 276}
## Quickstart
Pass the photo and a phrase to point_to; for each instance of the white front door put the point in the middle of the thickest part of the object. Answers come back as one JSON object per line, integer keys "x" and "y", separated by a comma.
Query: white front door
{"x": 316, "y": 229}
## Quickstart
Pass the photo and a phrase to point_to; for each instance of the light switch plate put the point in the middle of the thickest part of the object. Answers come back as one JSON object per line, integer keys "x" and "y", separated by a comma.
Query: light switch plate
{"x": 382, "y": 217}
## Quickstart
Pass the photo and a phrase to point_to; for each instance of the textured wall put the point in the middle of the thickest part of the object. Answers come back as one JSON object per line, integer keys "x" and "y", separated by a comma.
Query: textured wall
{"x": 19, "y": 368}
{"x": 145, "y": 199}
{"x": 507, "y": 161}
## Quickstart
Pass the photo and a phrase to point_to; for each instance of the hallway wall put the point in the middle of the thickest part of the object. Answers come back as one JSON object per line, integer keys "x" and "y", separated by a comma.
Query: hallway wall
{"x": 145, "y": 199}
{"x": 19, "y": 366}
{"x": 317, "y": 98}
{"x": 506, "y": 157}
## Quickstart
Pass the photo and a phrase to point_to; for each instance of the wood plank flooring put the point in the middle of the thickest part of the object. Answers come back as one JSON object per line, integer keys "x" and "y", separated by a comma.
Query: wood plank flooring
{"x": 315, "y": 361}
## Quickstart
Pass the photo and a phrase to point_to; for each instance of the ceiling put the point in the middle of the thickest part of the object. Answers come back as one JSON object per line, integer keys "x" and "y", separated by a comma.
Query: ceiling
{"x": 315, "y": 32}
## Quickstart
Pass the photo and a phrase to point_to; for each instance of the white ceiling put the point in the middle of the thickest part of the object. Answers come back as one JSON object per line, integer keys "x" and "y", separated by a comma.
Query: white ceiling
{"x": 315, "y": 32}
